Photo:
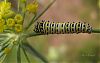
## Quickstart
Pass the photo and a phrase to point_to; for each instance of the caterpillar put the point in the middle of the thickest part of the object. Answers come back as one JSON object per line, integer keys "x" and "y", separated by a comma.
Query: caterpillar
{"x": 46, "y": 27}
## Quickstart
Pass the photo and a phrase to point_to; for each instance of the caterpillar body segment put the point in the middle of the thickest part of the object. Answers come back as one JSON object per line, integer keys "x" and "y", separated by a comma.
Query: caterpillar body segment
{"x": 46, "y": 27}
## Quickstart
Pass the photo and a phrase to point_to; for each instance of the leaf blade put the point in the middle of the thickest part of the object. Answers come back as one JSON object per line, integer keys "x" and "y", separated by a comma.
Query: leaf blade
{"x": 26, "y": 56}
{"x": 18, "y": 55}
{"x": 31, "y": 50}
{"x": 35, "y": 19}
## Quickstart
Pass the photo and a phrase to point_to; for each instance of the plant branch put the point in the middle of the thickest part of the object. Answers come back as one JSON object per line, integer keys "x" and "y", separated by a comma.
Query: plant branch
{"x": 35, "y": 19}
{"x": 34, "y": 34}
{"x": 96, "y": 31}
{"x": 26, "y": 56}
{"x": 30, "y": 22}
{"x": 24, "y": 12}
{"x": 31, "y": 50}
{"x": 18, "y": 55}
{"x": 38, "y": 34}
{"x": 18, "y": 5}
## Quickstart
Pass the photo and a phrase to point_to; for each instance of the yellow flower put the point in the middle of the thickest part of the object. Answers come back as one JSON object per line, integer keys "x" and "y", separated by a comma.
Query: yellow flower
{"x": 1, "y": 28}
{"x": 32, "y": 8}
{"x": 4, "y": 6}
{"x": 8, "y": 14}
{"x": 2, "y": 22}
{"x": 5, "y": 27}
{"x": 18, "y": 18}
{"x": 0, "y": 16}
{"x": 18, "y": 27}
{"x": 10, "y": 22}
{"x": 7, "y": 50}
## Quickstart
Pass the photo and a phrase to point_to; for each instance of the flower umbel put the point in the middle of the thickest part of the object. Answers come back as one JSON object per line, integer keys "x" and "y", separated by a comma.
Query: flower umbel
{"x": 4, "y": 6}
{"x": 12, "y": 32}
{"x": 1, "y": 28}
{"x": 18, "y": 28}
{"x": 8, "y": 14}
{"x": 2, "y": 22}
{"x": 10, "y": 22}
{"x": 18, "y": 18}
{"x": 32, "y": 8}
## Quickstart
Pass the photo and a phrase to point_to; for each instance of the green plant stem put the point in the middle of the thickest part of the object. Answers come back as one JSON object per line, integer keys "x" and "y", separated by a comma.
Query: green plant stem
{"x": 30, "y": 23}
{"x": 38, "y": 34}
{"x": 18, "y": 55}
{"x": 96, "y": 31}
{"x": 33, "y": 51}
{"x": 34, "y": 34}
{"x": 26, "y": 56}
{"x": 3, "y": 59}
{"x": 18, "y": 5}
{"x": 35, "y": 19}
{"x": 24, "y": 14}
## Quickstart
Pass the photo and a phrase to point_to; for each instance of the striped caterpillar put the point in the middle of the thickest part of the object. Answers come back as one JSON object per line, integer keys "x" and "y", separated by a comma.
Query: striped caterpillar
{"x": 46, "y": 27}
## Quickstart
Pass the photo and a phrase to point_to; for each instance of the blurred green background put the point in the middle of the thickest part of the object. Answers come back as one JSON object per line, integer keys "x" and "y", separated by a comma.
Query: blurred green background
{"x": 68, "y": 48}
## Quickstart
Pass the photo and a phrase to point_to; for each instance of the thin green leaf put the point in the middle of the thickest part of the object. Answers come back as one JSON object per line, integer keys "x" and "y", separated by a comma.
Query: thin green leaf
{"x": 3, "y": 47}
{"x": 18, "y": 55}
{"x": 3, "y": 58}
{"x": 35, "y": 19}
{"x": 1, "y": 54}
{"x": 31, "y": 50}
{"x": 6, "y": 41}
{"x": 24, "y": 14}
{"x": 48, "y": 6}
{"x": 10, "y": 54}
{"x": 26, "y": 56}
{"x": 3, "y": 35}
{"x": 31, "y": 22}
{"x": 2, "y": 39}
{"x": 34, "y": 34}
{"x": 18, "y": 5}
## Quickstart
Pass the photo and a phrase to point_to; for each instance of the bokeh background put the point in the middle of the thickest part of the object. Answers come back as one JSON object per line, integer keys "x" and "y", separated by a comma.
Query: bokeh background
{"x": 69, "y": 48}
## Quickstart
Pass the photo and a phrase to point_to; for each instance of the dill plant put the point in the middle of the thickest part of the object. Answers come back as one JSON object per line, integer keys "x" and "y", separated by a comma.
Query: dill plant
{"x": 12, "y": 32}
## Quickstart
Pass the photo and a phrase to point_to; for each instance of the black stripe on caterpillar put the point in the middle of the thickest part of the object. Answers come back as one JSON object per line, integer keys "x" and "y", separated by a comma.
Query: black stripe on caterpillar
{"x": 46, "y": 27}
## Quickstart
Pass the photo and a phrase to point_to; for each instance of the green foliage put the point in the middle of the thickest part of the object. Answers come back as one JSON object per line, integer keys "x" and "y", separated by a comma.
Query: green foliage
{"x": 14, "y": 42}
{"x": 14, "y": 46}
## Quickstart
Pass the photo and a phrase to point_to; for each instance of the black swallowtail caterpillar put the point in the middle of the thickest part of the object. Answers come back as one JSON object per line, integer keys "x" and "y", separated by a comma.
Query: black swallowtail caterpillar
{"x": 46, "y": 27}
